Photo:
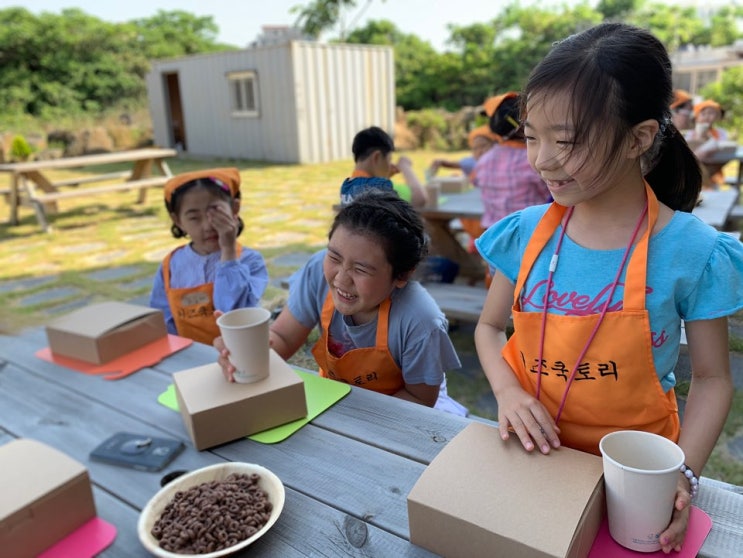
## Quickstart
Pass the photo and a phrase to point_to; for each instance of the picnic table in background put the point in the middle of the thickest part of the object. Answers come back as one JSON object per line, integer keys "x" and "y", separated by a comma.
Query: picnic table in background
{"x": 716, "y": 206}
{"x": 444, "y": 242}
{"x": 347, "y": 473}
{"x": 30, "y": 184}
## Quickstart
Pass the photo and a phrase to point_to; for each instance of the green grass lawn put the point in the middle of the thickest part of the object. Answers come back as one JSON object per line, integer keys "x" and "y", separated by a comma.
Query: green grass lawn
{"x": 287, "y": 209}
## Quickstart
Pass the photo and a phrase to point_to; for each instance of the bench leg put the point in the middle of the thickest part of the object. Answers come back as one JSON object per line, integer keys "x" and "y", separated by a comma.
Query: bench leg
{"x": 41, "y": 216}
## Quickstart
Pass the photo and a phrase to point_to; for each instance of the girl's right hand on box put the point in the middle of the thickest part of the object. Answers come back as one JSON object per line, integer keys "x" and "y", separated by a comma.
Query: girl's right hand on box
{"x": 524, "y": 415}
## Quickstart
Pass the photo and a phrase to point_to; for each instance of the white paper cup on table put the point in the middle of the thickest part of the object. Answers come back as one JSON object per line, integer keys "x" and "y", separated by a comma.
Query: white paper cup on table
{"x": 641, "y": 472}
{"x": 245, "y": 334}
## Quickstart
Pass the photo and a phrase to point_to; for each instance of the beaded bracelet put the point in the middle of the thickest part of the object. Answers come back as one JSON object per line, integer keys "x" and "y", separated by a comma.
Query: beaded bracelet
{"x": 692, "y": 478}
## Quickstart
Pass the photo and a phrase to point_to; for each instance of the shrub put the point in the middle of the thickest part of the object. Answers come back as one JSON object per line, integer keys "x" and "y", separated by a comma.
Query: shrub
{"x": 20, "y": 150}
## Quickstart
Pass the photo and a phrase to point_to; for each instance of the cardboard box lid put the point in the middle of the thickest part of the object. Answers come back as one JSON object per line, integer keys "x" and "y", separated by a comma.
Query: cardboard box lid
{"x": 98, "y": 319}
{"x": 200, "y": 392}
{"x": 499, "y": 487}
{"x": 30, "y": 471}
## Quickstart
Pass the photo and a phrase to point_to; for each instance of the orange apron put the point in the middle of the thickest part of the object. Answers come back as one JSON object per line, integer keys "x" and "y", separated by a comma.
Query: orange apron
{"x": 192, "y": 307}
{"x": 370, "y": 367}
{"x": 615, "y": 386}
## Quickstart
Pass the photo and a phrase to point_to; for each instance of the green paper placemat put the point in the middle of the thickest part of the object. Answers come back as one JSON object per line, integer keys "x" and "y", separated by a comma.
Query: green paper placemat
{"x": 321, "y": 394}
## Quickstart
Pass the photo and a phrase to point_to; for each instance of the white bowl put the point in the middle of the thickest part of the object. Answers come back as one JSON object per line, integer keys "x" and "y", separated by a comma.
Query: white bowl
{"x": 269, "y": 483}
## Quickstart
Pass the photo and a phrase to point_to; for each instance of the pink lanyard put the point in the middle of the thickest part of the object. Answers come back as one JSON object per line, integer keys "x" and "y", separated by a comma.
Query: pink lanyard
{"x": 552, "y": 268}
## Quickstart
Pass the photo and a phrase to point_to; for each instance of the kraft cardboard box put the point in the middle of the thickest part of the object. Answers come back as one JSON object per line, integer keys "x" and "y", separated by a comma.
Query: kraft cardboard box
{"x": 101, "y": 332}
{"x": 484, "y": 497}
{"x": 216, "y": 411}
{"x": 46, "y": 495}
{"x": 452, "y": 184}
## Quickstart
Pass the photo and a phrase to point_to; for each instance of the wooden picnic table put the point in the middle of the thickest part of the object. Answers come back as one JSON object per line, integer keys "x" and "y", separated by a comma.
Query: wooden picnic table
{"x": 716, "y": 206}
{"x": 347, "y": 473}
{"x": 31, "y": 185}
{"x": 444, "y": 242}
{"x": 719, "y": 159}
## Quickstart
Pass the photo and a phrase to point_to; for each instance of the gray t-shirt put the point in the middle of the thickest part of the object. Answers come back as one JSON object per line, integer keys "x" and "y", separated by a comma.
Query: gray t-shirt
{"x": 417, "y": 333}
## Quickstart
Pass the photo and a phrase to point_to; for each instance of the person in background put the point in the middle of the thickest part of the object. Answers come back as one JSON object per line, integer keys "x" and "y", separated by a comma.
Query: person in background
{"x": 480, "y": 140}
{"x": 379, "y": 330}
{"x": 681, "y": 108}
{"x": 506, "y": 181}
{"x": 599, "y": 282}
{"x": 212, "y": 271}
{"x": 372, "y": 153}
{"x": 705, "y": 139}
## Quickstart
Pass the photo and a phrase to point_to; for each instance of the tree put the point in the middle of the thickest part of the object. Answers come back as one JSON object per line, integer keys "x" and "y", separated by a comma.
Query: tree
{"x": 176, "y": 33}
{"x": 57, "y": 65}
{"x": 416, "y": 61}
{"x": 322, "y": 15}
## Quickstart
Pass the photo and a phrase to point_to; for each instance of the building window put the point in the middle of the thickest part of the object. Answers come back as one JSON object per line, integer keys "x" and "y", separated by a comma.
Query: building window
{"x": 243, "y": 93}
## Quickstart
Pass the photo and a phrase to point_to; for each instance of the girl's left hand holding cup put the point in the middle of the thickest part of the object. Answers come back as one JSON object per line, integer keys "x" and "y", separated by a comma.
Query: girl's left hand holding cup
{"x": 673, "y": 537}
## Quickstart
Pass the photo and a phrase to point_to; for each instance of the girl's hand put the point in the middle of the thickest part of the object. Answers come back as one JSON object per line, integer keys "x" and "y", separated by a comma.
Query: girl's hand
{"x": 225, "y": 223}
{"x": 673, "y": 537}
{"x": 228, "y": 370}
{"x": 523, "y": 414}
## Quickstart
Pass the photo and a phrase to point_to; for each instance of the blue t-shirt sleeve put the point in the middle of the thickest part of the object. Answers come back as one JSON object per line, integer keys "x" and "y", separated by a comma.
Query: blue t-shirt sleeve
{"x": 240, "y": 283}
{"x": 719, "y": 291}
{"x": 307, "y": 291}
{"x": 467, "y": 165}
{"x": 426, "y": 349}
{"x": 500, "y": 246}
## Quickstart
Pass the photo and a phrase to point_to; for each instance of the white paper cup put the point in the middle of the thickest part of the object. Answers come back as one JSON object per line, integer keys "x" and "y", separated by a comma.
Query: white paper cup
{"x": 245, "y": 334}
{"x": 641, "y": 472}
{"x": 700, "y": 129}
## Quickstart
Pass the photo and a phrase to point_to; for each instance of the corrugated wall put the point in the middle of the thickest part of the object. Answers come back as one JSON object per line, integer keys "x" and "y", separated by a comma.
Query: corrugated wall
{"x": 340, "y": 89}
{"x": 313, "y": 98}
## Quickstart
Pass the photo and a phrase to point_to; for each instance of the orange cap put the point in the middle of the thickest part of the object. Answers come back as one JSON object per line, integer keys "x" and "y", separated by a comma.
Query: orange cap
{"x": 483, "y": 131}
{"x": 709, "y": 103}
{"x": 680, "y": 97}
{"x": 492, "y": 103}
{"x": 227, "y": 177}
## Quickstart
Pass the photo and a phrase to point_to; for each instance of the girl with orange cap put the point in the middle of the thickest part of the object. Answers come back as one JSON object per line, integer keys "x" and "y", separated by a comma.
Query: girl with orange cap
{"x": 213, "y": 271}
{"x": 705, "y": 139}
{"x": 599, "y": 281}
{"x": 506, "y": 181}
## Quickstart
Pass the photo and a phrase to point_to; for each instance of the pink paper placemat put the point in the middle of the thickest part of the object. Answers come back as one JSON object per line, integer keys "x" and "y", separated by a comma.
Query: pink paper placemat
{"x": 700, "y": 525}
{"x": 86, "y": 541}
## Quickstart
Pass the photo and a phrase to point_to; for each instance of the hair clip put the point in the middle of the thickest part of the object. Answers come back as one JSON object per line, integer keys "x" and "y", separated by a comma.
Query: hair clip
{"x": 221, "y": 184}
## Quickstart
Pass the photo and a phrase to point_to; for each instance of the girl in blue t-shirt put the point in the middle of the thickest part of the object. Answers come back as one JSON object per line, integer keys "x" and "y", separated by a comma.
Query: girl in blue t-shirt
{"x": 599, "y": 281}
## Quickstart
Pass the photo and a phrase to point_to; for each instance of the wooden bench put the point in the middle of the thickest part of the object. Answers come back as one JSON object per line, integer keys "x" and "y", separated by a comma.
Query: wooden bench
{"x": 97, "y": 178}
{"x": 41, "y": 202}
{"x": 458, "y": 302}
{"x": 31, "y": 185}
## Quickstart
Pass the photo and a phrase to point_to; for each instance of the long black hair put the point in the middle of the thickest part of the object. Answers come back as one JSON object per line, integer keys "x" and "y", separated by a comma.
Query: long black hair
{"x": 617, "y": 76}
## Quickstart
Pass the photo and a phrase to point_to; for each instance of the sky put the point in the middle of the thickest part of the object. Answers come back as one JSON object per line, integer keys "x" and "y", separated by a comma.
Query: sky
{"x": 240, "y": 21}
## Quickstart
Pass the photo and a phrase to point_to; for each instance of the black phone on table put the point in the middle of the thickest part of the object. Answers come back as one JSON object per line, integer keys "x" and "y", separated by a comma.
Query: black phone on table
{"x": 137, "y": 451}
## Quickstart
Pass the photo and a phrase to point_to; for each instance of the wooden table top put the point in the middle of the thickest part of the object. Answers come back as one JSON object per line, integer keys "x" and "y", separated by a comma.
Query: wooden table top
{"x": 347, "y": 474}
{"x": 153, "y": 153}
